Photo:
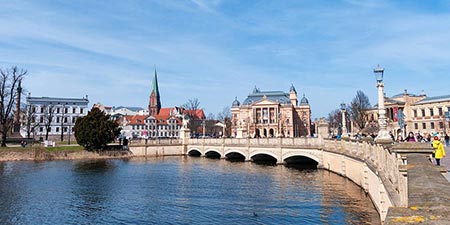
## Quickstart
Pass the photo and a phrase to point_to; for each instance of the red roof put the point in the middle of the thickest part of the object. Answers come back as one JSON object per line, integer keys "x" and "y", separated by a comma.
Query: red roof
{"x": 136, "y": 119}
{"x": 198, "y": 113}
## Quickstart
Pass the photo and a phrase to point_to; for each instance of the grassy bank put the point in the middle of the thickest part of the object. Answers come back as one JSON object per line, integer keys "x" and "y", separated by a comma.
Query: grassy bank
{"x": 70, "y": 148}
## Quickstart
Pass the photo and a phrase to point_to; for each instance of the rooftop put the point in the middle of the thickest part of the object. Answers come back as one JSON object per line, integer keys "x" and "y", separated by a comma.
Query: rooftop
{"x": 426, "y": 100}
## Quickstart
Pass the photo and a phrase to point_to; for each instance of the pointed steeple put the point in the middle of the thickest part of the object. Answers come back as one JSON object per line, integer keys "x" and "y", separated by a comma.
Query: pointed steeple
{"x": 155, "y": 83}
{"x": 293, "y": 89}
{"x": 155, "y": 101}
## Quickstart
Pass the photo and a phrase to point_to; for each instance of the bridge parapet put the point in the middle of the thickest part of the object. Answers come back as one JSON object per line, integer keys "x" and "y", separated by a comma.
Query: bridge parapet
{"x": 262, "y": 142}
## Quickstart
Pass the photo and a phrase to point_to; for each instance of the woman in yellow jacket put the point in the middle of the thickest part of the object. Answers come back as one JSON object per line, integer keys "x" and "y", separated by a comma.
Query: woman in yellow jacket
{"x": 439, "y": 152}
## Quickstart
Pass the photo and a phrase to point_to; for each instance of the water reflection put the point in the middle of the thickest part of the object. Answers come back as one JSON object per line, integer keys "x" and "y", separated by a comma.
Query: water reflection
{"x": 177, "y": 190}
{"x": 93, "y": 166}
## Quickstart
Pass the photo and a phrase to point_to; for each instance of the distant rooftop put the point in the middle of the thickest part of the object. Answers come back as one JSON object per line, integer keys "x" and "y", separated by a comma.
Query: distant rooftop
{"x": 433, "y": 99}
{"x": 57, "y": 100}
{"x": 132, "y": 108}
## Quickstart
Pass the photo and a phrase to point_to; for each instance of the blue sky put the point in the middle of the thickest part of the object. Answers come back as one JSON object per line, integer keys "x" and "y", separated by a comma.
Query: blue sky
{"x": 218, "y": 49}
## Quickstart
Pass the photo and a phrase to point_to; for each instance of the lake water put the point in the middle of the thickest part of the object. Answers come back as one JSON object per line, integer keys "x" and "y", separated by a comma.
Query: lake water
{"x": 177, "y": 190}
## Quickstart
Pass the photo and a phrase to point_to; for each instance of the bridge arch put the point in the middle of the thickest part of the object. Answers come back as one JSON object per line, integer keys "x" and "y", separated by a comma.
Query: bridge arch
{"x": 194, "y": 152}
{"x": 236, "y": 155}
{"x": 213, "y": 153}
{"x": 301, "y": 154}
{"x": 264, "y": 156}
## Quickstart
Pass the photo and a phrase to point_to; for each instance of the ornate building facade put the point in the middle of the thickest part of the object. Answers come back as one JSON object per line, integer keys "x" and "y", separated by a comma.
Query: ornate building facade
{"x": 271, "y": 114}
{"x": 421, "y": 114}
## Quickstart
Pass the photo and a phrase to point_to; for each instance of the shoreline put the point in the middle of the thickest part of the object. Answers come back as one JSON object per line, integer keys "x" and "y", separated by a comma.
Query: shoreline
{"x": 42, "y": 154}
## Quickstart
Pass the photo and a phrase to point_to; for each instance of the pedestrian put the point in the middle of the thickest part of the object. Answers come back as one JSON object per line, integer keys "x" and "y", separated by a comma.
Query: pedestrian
{"x": 410, "y": 137}
{"x": 447, "y": 140}
{"x": 392, "y": 136}
{"x": 439, "y": 151}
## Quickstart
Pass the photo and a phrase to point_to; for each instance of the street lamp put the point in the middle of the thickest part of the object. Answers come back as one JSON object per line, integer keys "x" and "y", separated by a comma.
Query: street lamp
{"x": 204, "y": 127}
{"x": 344, "y": 121}
{"x": 383, "y": 135}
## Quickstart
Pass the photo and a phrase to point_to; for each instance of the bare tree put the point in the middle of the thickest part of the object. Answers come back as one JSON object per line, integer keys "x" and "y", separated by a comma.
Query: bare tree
{"x": 225, "y": 114}
{"x": 49, "y": 114}
{"x": 191, "y": 107}
{"x": 31, "y": 122}
{"x": 9, "y": 80}
{"x": 225, "y": 118}
{"x": 211, "y": 116}
{"x": 334, "y": 120}
{"x": 359, "y": 107}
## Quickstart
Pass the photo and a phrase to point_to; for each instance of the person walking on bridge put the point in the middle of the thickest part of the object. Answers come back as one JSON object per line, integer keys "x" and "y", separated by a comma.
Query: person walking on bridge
{"x": 439, "y": 151}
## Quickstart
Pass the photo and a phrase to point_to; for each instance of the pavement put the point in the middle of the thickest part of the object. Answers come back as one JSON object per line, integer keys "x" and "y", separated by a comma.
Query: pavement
{"x": 446, "y": 162}
{"x": 428, "y": 195}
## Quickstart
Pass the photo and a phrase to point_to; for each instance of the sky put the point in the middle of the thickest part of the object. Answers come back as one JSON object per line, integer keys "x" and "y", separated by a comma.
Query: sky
{"x": 216, "y": 50}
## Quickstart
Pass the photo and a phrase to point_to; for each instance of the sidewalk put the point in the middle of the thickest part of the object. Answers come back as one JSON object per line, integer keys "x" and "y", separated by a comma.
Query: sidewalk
{"x": 446, "y": 162}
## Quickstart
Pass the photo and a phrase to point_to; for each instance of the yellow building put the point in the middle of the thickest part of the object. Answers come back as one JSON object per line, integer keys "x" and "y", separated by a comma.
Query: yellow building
{"x": 271, "y": 114}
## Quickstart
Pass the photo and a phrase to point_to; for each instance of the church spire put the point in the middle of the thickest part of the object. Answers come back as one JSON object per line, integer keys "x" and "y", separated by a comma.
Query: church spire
{"x": 155, "y": 83}
{"x": 155, "y": 102}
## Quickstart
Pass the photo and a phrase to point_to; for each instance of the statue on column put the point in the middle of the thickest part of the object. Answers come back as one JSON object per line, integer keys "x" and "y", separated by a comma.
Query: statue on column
{"x": 185, "y": 121}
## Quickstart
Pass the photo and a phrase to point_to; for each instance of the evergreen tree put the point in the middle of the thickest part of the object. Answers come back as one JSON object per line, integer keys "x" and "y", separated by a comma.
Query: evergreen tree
{"x": 95, "y": 130}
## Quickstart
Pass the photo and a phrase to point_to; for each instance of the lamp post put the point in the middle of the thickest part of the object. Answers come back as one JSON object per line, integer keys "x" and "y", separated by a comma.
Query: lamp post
{"x": 204, "y": 127}
{"x": 383, "y": 135}
{"x": 344, "y": 121}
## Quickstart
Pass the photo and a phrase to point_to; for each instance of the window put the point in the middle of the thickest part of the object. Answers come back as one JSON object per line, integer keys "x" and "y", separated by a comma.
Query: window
{"x": 415, "y": 113}
{"x": 57, "y": 129}
{"x": 66, "y": 110}
{"x": 57, "y": 119}
{"x": 440, "y": 111}
{"x": 431, "y": 113}
{"x": 42, "y": 109}
{"x": 74, "y": 110}
{"x": 41, "y": 119}
{"x": 423, "y": 112}
{"x": 424, "y": 126}
{"x": 432, "y": 125}
{"x": 132, "y": 127}
{"x": 416, "y": 126}
{"x": 441, "y": 125}
{"x": 81, "y": 110}
{"x": 57, "y": 110}
{"x": 65, "y": 129}
{"x": 41, "y": 129}
{"x": 34, "y": 109}
{"x": 74, "y": 119}
{"x": 65, "y": 119}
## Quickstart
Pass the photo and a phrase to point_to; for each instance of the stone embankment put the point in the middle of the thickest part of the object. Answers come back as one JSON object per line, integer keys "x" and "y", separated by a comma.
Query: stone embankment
{"x": 42, "y": 154}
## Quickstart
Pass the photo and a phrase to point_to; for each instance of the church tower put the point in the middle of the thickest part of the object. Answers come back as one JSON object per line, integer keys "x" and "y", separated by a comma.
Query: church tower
{"x": 155, "y": 102}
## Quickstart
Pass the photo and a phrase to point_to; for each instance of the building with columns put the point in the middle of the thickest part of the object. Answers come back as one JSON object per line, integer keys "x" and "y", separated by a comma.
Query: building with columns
{"x": 271, "y": 114}
{"x": 422, "y": 114}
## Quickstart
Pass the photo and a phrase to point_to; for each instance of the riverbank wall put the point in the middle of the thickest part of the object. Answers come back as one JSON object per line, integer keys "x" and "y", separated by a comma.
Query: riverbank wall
{"x": 41, "y": 154}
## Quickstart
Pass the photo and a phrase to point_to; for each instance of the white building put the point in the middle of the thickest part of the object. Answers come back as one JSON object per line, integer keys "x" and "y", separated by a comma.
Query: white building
{"x": 60, "y": 114}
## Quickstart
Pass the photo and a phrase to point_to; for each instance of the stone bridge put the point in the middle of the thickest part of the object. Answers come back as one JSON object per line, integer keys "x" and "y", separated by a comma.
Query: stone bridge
{"x": 380, "y": 170}
{"x": 278, "y": 149}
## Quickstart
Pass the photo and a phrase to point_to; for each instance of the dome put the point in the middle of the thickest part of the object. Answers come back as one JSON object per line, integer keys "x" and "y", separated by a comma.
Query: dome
{"x": 236, "y": 103}
{"x": 304, "y": 101}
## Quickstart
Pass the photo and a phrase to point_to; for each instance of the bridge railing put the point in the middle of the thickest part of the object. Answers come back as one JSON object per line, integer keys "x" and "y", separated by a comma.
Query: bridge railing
{"x": 314, "y": 142}
{"x": 378, "y": 158}
{"x": 173, "y": 141}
